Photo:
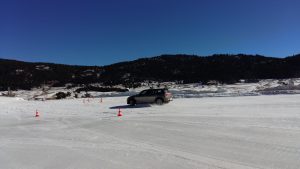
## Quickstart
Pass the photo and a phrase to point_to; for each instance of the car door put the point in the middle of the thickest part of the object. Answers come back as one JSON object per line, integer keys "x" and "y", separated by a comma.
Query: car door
{"x": 152, "y": 96}
{"x": 147, "y": 96}
{"x": 142, "y": 97}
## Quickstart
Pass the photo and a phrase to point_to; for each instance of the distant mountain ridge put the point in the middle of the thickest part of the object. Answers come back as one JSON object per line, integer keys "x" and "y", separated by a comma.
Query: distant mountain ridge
{"x": 184, "y": 68}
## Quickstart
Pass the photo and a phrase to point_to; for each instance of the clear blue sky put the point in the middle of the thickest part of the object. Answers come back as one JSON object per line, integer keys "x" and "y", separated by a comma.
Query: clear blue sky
{"x": 100, "y": 32}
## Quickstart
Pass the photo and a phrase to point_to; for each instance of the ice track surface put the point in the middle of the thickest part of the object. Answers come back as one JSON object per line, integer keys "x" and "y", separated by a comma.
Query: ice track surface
{"x": 257, "y": 132}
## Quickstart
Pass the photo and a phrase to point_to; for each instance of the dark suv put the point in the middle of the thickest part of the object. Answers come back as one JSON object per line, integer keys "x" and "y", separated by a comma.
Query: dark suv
{"x": 158, "y": 96}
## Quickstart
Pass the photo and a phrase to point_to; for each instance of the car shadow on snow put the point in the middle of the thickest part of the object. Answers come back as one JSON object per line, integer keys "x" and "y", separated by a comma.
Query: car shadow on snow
{"x": 130, "y": 107}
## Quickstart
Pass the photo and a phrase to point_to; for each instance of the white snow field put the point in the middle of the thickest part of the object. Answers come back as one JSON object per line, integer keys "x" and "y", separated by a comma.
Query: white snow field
{"x": 251, "y": 132}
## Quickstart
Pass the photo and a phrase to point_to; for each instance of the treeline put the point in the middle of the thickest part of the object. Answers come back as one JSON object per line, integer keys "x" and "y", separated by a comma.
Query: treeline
{"x": 183, "y": 68}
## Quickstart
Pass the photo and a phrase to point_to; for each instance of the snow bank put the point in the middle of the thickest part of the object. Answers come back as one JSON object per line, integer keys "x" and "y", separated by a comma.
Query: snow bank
{"x": 263, "y": 87}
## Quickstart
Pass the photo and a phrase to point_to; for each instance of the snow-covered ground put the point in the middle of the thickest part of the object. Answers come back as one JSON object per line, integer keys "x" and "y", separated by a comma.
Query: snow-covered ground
{"x": 253, "y": 132}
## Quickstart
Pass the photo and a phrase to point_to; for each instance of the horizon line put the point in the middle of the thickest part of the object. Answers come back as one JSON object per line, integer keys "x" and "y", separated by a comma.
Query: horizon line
{"x": 145, "y": 57}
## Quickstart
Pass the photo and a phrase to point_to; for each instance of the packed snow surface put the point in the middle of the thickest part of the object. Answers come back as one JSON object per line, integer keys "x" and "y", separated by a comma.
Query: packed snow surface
{"x": 253, "y": 132}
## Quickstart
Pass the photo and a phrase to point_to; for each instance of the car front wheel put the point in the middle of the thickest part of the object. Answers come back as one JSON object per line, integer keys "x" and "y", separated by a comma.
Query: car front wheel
{"x": 132, "y": 102}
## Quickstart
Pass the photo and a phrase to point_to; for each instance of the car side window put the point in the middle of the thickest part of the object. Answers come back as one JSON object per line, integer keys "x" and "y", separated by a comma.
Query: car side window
{"x": 149, "y": 93}
{"x": 146, "y": 93}
{"x": 159, "y": 92}
{"x": 153, "y": 92}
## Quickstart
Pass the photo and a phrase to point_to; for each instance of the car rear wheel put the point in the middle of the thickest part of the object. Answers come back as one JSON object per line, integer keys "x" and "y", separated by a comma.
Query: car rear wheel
{"x": 159, "y": 101}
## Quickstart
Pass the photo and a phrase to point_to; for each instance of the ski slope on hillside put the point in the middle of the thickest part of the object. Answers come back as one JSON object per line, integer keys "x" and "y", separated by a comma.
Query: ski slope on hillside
{"x": 255, "y": 132}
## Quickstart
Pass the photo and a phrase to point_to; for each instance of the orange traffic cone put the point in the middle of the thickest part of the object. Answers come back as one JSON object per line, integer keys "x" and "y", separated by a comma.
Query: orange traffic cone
{"x": 37, "y": 114}
{"x": 120, "y": 113}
